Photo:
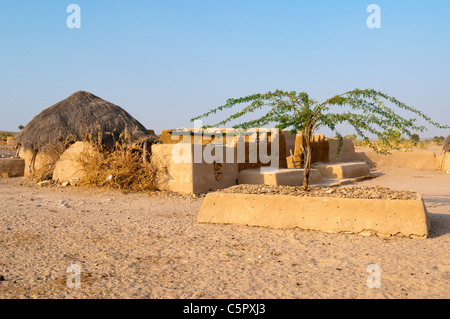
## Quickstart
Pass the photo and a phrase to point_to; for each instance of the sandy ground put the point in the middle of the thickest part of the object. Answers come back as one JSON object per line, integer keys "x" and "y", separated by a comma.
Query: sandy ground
{"x": 140, "y": 246}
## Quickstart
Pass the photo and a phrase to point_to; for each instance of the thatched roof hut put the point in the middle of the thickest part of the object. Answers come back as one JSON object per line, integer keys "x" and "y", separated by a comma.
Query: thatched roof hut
{"x": 446, "y": 147}
{"x": 79, "y": 117}
{"x": 80, "y": 114}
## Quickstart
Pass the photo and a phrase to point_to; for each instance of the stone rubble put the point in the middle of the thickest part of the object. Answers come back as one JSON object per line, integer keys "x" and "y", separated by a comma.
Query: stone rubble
{"x": 361, "y": 192}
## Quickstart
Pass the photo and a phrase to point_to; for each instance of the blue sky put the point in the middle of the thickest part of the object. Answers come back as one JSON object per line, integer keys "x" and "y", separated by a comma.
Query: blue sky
{"x": 168, "y": 61}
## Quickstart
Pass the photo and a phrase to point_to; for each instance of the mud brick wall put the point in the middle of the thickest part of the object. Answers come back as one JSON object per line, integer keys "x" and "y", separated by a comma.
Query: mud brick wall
{"x": 166, "y": 138}
{"x": 319, "y": 150}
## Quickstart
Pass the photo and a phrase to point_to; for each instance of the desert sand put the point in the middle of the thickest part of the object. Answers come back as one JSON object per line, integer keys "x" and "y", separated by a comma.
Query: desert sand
{"x": 140, "y": 246}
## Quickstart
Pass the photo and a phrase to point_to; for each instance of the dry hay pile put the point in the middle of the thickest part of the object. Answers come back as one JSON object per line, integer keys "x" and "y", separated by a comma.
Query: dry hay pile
{"x": 121, "y": 166}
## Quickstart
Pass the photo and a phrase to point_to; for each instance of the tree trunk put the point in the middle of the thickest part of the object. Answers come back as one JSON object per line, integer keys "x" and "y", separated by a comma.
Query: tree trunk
{"x": 307, "y": 168}
{"x": 144, "y": 155}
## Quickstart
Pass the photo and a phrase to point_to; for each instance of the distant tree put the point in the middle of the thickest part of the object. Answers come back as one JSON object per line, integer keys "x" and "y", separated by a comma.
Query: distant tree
{"x": 21, "y": 127}
{"x": 438, "y": 140}
{"x": 301, "y": 113}
{"x": 351, "y": 137}
{"x": 415, "y": 138}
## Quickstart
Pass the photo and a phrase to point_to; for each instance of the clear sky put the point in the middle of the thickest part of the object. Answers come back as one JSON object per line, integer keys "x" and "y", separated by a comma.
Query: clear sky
{"x": 167, "y": 61}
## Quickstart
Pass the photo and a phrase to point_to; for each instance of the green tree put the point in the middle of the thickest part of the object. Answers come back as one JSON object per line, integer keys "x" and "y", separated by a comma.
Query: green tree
{"x": 368, "y": 115}
{"x": 415, "y": 138}
{"x": 438, "y": 140}
{"x": 21, "y": 127}
{"x": 394, "y": 138}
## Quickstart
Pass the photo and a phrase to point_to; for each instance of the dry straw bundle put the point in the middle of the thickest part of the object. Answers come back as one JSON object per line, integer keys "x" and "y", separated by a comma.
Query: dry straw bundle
{"x": 121, "y": 166}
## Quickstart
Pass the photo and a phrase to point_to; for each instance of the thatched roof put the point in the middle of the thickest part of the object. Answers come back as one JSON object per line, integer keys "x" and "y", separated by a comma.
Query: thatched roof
{"x": 80, "y": 114}
{"x": 447, "y": 144}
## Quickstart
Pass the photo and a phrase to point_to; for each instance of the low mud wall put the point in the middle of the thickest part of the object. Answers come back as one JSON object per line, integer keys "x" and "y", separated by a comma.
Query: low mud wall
{"x": 339, "y": 215}
{"x": 414, "y": 160}
{"x": 13, "y": 167}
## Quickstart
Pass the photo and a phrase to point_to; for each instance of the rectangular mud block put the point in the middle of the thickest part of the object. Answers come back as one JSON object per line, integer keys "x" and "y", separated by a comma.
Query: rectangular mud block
{"x": 10, "y": 141}
{"x": 287, "y": 177}
{"x": 14, "y": 167}
{"x": 179, "y": 172}
{"x": 343, "y": 170}
{"x": 337, "y": 215}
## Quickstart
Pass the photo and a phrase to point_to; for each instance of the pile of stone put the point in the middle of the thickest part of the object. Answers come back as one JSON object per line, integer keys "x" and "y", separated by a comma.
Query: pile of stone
{"x": 361, "y": 192}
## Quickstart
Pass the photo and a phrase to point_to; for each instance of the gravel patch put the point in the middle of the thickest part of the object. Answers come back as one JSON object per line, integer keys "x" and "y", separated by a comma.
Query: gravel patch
{"x": 362, "y": 192}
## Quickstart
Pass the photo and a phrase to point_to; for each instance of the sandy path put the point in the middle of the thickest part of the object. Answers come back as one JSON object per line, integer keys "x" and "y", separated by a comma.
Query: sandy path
{"x": 136, "y": 246}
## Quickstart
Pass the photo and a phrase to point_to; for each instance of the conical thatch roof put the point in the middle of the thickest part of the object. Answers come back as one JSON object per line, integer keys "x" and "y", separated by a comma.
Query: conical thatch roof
{"x": 80, "y": 114}
{"x": 447, "y": 144}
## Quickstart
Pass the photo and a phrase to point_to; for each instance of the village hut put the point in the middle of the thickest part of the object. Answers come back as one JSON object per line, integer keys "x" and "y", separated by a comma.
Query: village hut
{"x": 80, "y": 116}
{"x": 446, "y": 147}
{"x": 445, "y": 159}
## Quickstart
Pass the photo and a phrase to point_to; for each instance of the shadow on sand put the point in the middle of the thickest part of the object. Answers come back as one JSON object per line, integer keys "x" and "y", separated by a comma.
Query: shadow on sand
{"x": 440, "y": 222}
